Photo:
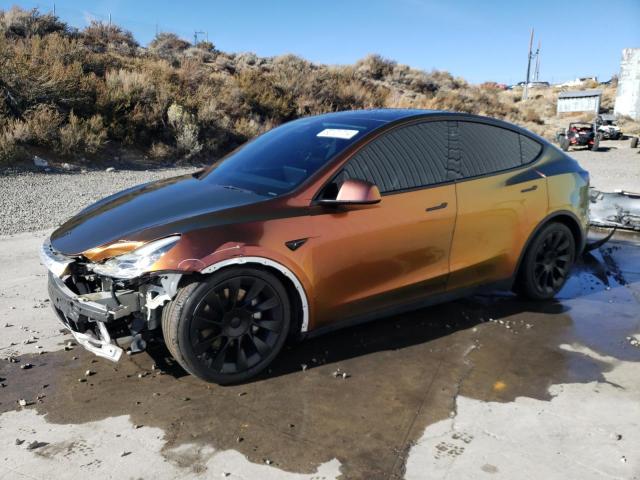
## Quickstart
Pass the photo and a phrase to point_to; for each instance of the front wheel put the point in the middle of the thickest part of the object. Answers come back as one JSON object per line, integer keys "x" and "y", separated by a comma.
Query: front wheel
{"x": 228, "y": 327}
{"x": 547, "y": 262}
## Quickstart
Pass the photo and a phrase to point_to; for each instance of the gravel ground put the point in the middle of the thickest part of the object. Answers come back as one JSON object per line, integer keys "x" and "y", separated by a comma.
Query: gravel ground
{"x": 31, "y": 201}
{"x": 615, "y": 167}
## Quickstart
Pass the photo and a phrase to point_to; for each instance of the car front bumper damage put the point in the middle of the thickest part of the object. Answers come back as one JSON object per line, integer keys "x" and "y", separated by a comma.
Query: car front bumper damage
{"x": 101, "y": 319}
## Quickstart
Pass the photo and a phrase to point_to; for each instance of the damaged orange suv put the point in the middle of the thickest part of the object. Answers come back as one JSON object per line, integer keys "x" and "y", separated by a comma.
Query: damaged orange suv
{"x": 324, "y": 221}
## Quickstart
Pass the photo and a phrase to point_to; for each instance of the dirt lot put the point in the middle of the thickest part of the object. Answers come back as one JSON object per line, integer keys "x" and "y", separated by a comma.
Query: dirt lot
{"x": 615, "y": 166}
{"x": 487, "y": 387}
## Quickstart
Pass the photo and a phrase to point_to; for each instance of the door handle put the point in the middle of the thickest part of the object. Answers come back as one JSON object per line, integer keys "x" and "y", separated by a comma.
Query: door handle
{"x": 437, "y": 207}
{"x": 530, "y": 189}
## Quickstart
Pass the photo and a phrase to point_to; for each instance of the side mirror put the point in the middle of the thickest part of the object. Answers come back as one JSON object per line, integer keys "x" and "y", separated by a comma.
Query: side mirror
{"x": 355, "y": 192}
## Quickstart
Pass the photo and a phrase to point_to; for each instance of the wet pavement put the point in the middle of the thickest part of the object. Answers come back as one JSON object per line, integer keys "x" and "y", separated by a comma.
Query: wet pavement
{"x": 402, "y": 375}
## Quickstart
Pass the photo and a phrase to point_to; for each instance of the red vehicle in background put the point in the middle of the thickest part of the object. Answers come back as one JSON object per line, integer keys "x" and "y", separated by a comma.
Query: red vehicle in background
{"x": 579, "y": 134}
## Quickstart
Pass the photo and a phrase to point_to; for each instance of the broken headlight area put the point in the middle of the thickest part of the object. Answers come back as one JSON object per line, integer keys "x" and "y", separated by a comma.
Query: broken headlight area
{"x": 108, "y": 315}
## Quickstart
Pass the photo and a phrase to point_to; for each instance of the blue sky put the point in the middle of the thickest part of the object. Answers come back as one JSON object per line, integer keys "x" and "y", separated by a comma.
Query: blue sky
{"x": 477, "y": 40}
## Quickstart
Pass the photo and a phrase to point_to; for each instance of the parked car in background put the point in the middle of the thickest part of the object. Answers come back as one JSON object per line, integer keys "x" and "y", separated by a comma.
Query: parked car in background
{"x": 579, "y": 134}
{"x": 322, "y": 222}
{"x": 608, "y": 127}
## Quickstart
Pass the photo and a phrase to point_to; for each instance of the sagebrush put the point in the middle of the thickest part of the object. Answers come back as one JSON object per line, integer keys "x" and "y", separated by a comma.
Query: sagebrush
{"x": 77, "y": 91}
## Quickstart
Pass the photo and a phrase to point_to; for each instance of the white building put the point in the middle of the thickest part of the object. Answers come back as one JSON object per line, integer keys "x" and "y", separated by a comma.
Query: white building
{"x": 579, "y": 101}
{"x": 628, "y": 94}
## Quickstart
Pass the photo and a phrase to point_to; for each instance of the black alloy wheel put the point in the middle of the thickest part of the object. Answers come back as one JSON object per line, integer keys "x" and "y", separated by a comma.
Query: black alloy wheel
{"x": 230, "y": 327}
{"x": 547, "y": 262}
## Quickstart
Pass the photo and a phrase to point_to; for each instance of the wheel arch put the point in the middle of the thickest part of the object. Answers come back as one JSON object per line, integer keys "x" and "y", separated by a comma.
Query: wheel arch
{"x": 295, "y": 289}
{"x": 565, "y": 217}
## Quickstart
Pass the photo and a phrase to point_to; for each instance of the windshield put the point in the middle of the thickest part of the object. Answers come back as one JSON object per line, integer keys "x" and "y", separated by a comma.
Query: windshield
{"x": 281, "y": 159}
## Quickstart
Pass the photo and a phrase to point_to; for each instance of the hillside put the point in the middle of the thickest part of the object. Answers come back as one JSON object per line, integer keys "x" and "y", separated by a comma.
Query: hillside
{"x": 95, "y": 93}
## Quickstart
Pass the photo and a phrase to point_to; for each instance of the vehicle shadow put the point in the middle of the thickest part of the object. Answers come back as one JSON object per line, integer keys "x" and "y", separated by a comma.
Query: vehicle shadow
{"x": 420, "y": 326}
{"x": 385, "y": 334}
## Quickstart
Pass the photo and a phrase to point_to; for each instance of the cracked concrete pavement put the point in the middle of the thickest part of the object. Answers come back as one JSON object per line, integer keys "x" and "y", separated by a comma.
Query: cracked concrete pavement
{"x": 486, "y": 387}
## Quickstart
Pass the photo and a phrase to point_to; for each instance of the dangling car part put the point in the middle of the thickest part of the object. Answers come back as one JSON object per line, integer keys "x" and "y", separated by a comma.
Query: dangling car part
{"x": 322, "y": 222}
{"x": 614, "y": 209}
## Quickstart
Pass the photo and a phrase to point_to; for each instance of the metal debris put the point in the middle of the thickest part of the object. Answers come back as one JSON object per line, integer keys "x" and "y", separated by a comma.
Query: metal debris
{"x": 617, "y": 209}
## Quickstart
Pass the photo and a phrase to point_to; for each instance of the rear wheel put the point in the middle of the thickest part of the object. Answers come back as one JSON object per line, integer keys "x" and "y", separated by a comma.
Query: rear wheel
{"x": 229, "y": 327}
{"x": 547, "y": 262}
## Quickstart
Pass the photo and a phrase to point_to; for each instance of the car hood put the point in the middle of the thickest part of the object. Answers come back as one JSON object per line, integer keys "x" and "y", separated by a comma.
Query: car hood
{"x": 149, "y": 211}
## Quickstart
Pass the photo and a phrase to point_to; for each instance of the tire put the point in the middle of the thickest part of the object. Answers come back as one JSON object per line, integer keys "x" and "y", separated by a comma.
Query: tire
{"x": 547, "y": 262}
{"x": 564, "y": 144}
{"x": 634, "y": 142}
{"x": 228, "y": 327}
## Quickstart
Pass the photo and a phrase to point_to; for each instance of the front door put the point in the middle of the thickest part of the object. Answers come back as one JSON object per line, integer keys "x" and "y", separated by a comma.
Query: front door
{"x": 370, "y": 258}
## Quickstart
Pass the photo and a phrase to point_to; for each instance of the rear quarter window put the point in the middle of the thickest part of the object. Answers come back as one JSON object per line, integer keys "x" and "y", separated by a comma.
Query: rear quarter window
{"x": 529, "y": 149}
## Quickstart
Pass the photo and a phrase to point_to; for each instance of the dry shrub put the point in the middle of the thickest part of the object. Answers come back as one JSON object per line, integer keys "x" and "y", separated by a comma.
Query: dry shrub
{"x": 101, "y": 36}
{"x": 82, "y": 135}
{"x": 185, "y": 130}
{"x": 43, "y": 123}
{"x": 26, "y": 23}
{"x": 160, "y": 151}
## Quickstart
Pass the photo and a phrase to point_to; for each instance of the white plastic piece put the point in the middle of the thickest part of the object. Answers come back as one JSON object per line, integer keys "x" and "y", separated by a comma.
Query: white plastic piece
{"x": 269, "y": 263}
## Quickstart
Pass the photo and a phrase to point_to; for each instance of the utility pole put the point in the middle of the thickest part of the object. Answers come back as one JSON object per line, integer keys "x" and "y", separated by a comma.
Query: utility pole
{"x": 525, "y": 92}
{"x": 195, "y": 37}
{"x": 536, "y": 75}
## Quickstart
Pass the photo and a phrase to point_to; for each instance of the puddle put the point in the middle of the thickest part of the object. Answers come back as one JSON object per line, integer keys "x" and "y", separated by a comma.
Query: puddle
{"x": 405, "y": 373}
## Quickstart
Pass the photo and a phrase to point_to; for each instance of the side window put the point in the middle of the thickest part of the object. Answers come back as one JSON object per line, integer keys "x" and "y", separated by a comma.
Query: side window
{"x": 487, "y": 149}
{"x": 407, "y": 157}
{"x": 529, "y": 149}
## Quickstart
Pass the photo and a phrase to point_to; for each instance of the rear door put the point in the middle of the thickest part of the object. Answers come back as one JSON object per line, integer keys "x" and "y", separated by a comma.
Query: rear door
{"x": 374, "y": 257}
{"x": 501, "y": 199}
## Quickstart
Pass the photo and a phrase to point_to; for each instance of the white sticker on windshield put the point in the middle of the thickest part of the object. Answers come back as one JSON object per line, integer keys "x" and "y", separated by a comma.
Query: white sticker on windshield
{"x": 338, "y": 133}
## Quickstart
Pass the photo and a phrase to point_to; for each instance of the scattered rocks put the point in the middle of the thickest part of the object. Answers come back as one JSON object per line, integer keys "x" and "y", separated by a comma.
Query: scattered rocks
{"x": 124, "y": 454}
{"x": 82, "y": 380}
{"x": 267, "y": 461}
{"x": 36, "y": 444}
{"x": 633, "y": 342}
{"x": 76, "y": 192}
{"x": 19, "y": 442}
{"x": 110, "y": 169}
{"x": 23, "y": 403}
{"x": 40, "y": 162}
{"x": 26, "y": 366}
{"x": 340, "y": 374}
{"x": 88, "y": 373}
